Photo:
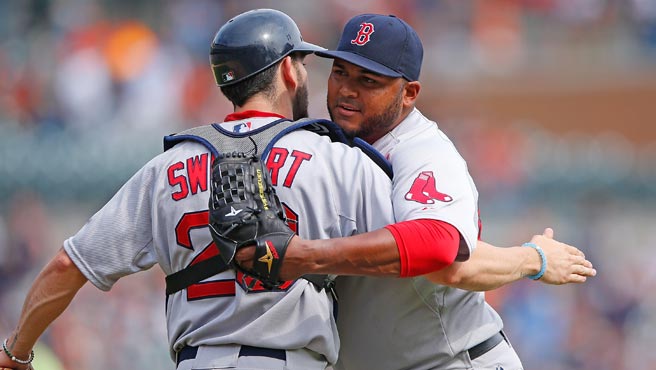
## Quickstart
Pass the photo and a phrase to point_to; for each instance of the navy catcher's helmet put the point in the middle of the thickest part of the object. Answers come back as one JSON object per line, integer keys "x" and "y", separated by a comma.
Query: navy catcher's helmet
{"x": 253, "y": 41}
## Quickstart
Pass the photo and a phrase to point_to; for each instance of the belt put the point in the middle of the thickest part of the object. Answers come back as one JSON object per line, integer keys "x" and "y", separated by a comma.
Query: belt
{"x": 486, "y": 345}
{"x": 188, "y": 353}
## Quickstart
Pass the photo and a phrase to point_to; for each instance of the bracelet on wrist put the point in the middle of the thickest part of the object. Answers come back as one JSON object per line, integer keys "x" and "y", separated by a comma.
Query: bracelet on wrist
{"x": 543, "y": 260}
{"x": 29, "y": 360}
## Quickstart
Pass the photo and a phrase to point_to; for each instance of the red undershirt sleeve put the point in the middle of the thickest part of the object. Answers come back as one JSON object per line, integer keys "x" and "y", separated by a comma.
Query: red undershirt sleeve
{"x": 425, "y": 245}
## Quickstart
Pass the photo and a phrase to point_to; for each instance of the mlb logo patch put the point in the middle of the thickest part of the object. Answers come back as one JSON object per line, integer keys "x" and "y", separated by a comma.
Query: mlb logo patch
{"x": 228, "y": 76}
{"x": 242, "y": 127}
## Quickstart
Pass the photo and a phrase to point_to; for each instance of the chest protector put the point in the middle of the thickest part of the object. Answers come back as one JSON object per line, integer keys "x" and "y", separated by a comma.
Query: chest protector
{"x": 257, "y": 142}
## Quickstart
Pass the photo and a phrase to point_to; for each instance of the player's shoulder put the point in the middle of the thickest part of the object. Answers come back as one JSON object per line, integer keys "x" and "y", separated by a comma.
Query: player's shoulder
{"x": 182, "y": 151}
{"x": 332, "y": 153}
{"x": 185, "y": 147}
{"x": 420, "y": 128}
{"x": 419, "y": 136}
{"x": 417, "y": 128}
{"x": 316, "y": 142}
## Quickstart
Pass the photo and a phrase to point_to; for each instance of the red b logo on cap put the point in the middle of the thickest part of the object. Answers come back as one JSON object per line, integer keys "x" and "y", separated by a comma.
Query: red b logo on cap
{"x": 364, "y": 35}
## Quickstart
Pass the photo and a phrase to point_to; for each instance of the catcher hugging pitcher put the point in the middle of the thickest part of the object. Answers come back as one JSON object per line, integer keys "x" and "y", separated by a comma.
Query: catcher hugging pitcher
{"x": 252, "y": 219}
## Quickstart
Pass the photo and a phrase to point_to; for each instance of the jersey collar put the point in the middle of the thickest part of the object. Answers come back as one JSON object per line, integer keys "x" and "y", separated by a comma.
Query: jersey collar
{"x": 238, "y": 116}
{"x": 386, "y": 143}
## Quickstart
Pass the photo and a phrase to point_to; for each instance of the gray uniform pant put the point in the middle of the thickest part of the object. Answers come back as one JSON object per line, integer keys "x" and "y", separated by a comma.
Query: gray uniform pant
{"x": 233, "y": 357}
{"x": 500, "y": 357}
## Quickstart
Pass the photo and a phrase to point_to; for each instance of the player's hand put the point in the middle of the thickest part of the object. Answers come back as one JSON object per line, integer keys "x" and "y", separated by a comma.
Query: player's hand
{"x": 292, "y": 266}
{"x": 7, "y": 364}
{"x": 244, "y": 256}
{"x": 565, "y": 263}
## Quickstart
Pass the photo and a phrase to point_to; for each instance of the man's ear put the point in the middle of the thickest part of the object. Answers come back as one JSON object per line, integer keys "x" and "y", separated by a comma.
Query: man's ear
{"x": 410, "y": 93}
{"x": 288, "y": 71}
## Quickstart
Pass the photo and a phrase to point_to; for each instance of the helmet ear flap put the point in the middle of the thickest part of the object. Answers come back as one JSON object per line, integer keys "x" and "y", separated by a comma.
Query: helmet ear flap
{"x": 253, "y": 41}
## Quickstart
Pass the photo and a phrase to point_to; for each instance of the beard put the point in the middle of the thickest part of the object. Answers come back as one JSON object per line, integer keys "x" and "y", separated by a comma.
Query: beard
{"x": 300, "y": 103}
{"x": 374, "y": 127}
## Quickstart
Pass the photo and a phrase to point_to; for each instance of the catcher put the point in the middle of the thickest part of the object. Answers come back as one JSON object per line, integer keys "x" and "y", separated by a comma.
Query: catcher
{"x": 160, "y": 216}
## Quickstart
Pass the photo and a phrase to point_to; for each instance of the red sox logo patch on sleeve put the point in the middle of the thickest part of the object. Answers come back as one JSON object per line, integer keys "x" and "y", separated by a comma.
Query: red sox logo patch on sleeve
{"x": 423, "y": 190}
{"x": 364, "y": 34}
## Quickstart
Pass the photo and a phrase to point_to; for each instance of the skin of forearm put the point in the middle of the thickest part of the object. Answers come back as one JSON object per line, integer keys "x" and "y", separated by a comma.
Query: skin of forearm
{"x": 374, "y": 254}
{"x": 488, "y": 268}
{"x": 50, "y": 294}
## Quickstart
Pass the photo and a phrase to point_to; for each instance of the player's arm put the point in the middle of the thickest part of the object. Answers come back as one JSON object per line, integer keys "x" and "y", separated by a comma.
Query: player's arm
{"x": 431, "y": 252}
{"x": 490, "y": 267}
{"x": 404, "y": 249}
{"x": 373, "y": 254}
{"x": 50, "y": 294}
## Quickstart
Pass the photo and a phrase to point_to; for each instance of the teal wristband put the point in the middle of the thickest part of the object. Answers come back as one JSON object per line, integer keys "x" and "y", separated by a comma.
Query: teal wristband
{"x": 543, "y": 258}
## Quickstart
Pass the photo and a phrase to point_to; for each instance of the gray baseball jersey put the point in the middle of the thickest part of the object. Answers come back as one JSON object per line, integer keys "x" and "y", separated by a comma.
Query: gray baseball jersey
{"x": 411, "y": 323}
{"x": 160, "y": 217}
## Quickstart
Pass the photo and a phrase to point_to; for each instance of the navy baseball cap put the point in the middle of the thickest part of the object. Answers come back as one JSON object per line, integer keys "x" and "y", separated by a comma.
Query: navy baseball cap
{"x": 383, "y": 44}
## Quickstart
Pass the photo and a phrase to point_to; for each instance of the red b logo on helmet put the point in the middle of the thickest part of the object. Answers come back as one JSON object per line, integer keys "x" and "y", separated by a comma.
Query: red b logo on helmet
{"x": 364, "y": 35}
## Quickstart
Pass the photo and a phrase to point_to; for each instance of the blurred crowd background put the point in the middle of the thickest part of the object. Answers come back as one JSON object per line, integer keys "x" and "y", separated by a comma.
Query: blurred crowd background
{"x": 551, "y": 102}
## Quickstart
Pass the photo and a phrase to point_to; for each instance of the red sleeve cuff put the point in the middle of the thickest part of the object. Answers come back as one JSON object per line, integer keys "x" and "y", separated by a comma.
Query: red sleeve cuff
{"x": 425, "y": 245}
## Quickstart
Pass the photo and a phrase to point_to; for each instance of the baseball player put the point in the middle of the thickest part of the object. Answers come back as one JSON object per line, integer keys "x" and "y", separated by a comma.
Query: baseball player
{"x": 418, "y": 324}
{"x": 391, "y": 323}
{"x": 160, "y": 216}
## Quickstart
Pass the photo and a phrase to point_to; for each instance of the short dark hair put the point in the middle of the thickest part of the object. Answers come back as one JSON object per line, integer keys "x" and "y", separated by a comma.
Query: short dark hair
{"x": 261, "y": 82}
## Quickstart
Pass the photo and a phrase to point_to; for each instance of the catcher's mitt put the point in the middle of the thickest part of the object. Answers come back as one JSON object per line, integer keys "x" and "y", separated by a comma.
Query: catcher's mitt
{"x": 244, "y": 210}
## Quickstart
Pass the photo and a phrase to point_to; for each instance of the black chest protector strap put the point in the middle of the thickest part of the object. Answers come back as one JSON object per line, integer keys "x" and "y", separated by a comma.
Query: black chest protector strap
{"x": 256, "y": 142}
